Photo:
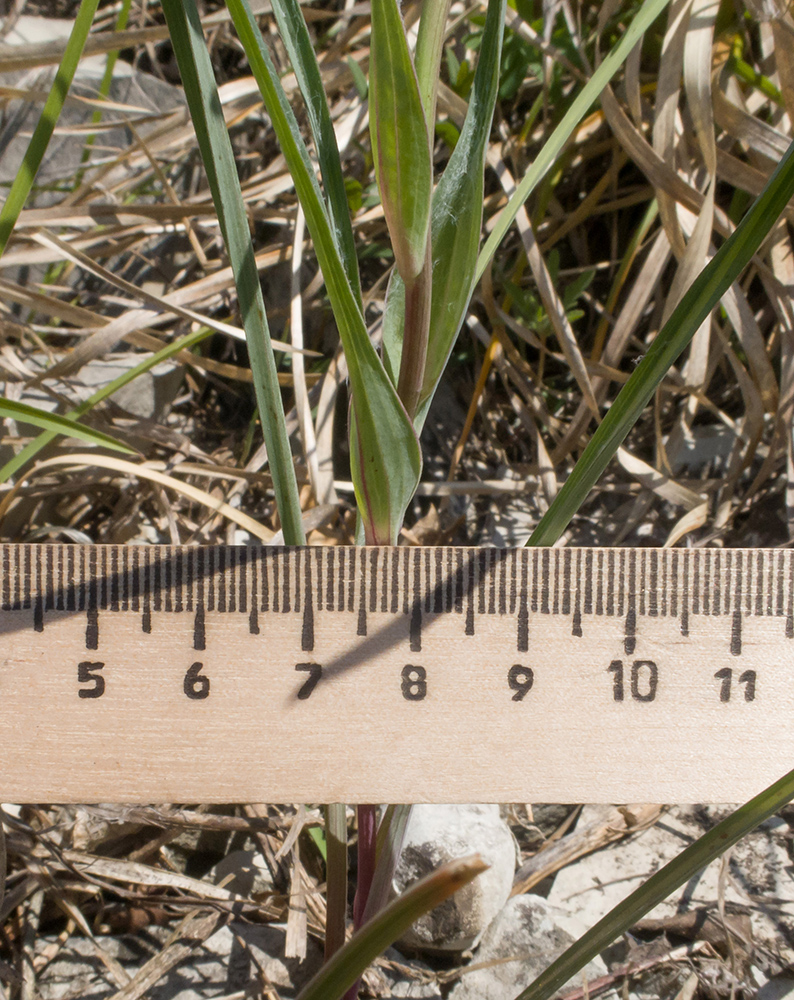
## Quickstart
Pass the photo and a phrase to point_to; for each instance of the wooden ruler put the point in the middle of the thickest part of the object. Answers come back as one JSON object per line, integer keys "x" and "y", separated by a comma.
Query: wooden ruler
{"x": 394, "y": 675}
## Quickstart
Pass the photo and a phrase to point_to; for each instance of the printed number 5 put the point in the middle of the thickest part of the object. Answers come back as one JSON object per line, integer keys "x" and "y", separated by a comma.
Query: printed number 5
{"x": 85, "y": 674}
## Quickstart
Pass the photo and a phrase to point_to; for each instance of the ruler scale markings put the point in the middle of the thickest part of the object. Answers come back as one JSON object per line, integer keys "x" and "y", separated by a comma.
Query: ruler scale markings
{"x": 653, "y": 583}
{"x": 362, "y": 606}
{"x": 536, "y": 583}
{"x": 146, "y": 590}
{"x": 167, "y": 574}
{"x": 790, "y": 612}
{"x": 253, "y": 617}
{"x": 459, "y": 581}
{"x": 643, "y": 587}
{"x": 307, "y": 631}
{"x": 287, "y": 602}
{"x": 599, "y": 582}
{"x": 272, "y": 562}
{"x": 611, "y": 583}
{"x": 685, "y": 599}
{"x": 449, "y": 583}
{"x": 697, "y": 576}
{"x": 588, "y": 582}
{"x": 330, "y": 578}
{"x": 768, "y": 586}
{"x": 730, "y": 586}
{"x": 115, "y": 596}
{"x": 565, "y": 556}
{"x": 27, "y": 580}
{"x": 373, "y": 580}
{"x": 49, "y": 554}
{"x": 522, "y": 637}
{"x": 493, "y": 571}
{"x": 576, "y": 626}
{"x": 470, "y": 564}
{"x": 415, "y": 627}
{"x": 59, "y": 588}
{"x": 242, "y": 577}
{"x": 220, "y": 573}
{"x": 135, "y": 588}
{"x": 630, "y": 624}
{"x": 780, "y": 584}
{"x": 38, "y": 606}
{"x": 231, "y": 584}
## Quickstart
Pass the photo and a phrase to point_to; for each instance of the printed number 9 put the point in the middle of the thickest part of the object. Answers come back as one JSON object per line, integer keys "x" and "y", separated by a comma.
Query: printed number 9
{"x": 520, "y": 679}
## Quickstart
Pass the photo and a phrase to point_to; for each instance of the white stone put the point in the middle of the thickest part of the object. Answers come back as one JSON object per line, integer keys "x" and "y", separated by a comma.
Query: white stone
{"x": 533, "y": 934}
{"x": 438, "y": 834}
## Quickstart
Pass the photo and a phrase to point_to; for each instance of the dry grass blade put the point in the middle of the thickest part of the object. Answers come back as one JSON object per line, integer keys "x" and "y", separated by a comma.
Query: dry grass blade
{"x": 143, "y": 472}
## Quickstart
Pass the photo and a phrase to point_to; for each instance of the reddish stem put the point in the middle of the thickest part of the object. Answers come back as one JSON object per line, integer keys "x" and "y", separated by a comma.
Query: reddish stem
{"x": 367, "y": 836}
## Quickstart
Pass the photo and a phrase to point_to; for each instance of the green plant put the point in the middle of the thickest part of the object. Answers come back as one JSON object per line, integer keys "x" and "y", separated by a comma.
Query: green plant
{"x": 435, "y": 228}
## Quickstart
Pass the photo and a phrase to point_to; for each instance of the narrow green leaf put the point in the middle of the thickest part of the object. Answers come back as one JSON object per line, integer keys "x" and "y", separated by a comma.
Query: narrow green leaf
{"x": 26, "y": 414}
{"x": 29, "y": 452}
{"x": 698, "y": 301}
{"x": 456, "y": 225}
{"x": 400, "y": 142}
{"x": 553, "y": 146}
{"x": 659, "y": 886}
{"x": 429, "y": 44}
{"x": 391, "y": 923}
{"x": 34, "y": 154}
{"x": 386, "y": 461}
{"x": 391, "y": 834}
{"x": 336, "y": 877}
{"x": 295, "y": 35}
{"x": 201, "y": 92}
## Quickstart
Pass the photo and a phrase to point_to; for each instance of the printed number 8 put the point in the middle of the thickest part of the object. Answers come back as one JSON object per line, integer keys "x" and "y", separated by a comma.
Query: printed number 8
{"x": 414, "y": 685}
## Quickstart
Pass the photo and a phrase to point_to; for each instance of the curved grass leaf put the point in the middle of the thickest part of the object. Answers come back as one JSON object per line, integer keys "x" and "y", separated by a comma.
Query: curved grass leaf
{"x": 553, "y": 146}
{"x": 201, "y": 92}
{"x": 25, "y": 414}
{"x": 400, "y": 143}
{"x": 347, "y": 965}
{"x": 456, "y": 225}
{"x": 659, "y": 886}
{"x": 698, "y": 301}
{"x": 385, "y": 457}
{"x": 29, "y": 452}
{"x": 295, "y": 35}
{"x": 34, "y": 154}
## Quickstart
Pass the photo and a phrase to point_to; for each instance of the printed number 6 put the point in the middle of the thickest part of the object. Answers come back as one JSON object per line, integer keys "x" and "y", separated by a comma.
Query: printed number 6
{"x": 196, "y": 685}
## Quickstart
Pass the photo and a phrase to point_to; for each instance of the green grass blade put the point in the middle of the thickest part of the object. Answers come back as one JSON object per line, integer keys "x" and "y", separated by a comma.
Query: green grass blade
{"x": 25, "y": 414}
{"x": 400, "y": 142}
{"x": 375, "y": 936}
{"x": 201, "y": 92}
{"x": 659, "y": 886}
{"x": 336, "y": 877}
{"x": 104, "y": 87}
{"x": 385, "y": 457}
{"x": 34, "y": 154}
{"x": 553, "y": 146}
{"x": 29, "y": 452}
{"x": 295, "y": 35}
{"x": 702, "y": 296}
{"x": 456, "y": 224}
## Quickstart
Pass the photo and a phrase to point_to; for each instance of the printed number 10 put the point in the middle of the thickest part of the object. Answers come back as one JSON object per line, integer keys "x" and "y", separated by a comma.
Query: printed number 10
{"x": 644, "y": 680}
